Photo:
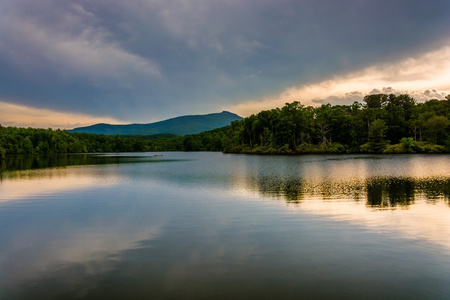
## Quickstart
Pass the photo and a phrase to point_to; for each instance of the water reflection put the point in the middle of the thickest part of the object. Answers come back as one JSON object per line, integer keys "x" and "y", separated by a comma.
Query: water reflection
{"x": 208, "y": 225}
{"x": 404, "y": 180}
{"x": 377, "y": 192}
{"x": 31, "y": 162}
{"x": 380, "y": 181}
{"x": 392, "y": 192}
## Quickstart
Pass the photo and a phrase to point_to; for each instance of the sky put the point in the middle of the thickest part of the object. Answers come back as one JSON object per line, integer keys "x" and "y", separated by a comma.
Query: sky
{"x": 65, "y": 64}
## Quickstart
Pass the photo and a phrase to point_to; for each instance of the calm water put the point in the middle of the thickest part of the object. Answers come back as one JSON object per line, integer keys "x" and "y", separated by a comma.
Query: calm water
{"x": 215, "y": 226}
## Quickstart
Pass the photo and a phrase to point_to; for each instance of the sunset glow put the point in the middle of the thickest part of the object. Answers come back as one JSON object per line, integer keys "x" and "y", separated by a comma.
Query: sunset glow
{"x": 69, "y": 64}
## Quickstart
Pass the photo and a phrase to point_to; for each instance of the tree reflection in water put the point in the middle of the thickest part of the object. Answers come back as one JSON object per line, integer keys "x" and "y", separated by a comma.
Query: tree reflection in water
{"x": 378, "y": 192}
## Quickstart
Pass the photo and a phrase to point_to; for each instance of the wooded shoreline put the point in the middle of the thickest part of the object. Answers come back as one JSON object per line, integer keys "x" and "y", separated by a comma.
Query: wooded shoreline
{"x": 382, "y": 124}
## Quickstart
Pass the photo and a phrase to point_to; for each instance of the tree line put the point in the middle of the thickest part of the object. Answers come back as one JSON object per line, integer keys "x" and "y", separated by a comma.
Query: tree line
{"x": 381, "y": 124}
{"x": 14, "y": 140}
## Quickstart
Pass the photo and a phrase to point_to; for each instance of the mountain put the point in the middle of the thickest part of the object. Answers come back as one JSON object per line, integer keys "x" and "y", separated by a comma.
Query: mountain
{"x": 180, "y": 125}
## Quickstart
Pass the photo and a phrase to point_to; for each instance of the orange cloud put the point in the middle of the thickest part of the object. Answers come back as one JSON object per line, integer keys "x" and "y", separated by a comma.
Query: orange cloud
{"x": 424, "y": 77}
{"x": 23, "y": 116}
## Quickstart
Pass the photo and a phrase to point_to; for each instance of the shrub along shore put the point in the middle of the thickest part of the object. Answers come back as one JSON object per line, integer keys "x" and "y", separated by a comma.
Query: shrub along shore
{"x": 382, "y": 124}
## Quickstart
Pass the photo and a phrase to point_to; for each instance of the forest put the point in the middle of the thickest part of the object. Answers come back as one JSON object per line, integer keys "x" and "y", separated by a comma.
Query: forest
{"x": 381, "y": 124}
{"x": 15, "y": 140}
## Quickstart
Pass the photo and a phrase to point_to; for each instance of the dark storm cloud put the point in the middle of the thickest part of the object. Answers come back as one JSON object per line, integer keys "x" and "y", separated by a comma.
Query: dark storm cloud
{"x": 141, "y": 60}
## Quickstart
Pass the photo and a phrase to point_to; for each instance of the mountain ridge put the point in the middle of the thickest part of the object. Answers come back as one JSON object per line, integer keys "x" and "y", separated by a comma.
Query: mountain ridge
{"x": 182, "y": 125}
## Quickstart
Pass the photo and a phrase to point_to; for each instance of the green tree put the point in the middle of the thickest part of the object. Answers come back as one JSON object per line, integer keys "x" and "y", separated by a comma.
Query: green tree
{"x": 27, "y": 145}
{"x": 409, "y": 145}
{"x": 377, "y": 134}
{"x": 436, "y": 128}
{"x": 2, "y": 153}
{"x": 376, "y": 100}
{"x": 191, "y": 144}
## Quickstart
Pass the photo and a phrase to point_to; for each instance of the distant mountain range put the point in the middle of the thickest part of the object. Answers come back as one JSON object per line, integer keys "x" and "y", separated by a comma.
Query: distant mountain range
{"x": 180, "y": 125}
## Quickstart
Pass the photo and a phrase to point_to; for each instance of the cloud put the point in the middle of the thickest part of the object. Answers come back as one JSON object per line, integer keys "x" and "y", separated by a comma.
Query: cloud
{"x": 22, "y": 116}
{"x": 341, "y": 99}
{"x": 424, "y": 77}
{"x": 145, "y": 60}
{"x": 420, "y": 95}
{"x": 84, "y": 50}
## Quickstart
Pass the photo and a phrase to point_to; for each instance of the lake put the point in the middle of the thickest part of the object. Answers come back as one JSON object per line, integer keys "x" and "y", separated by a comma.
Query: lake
{"x": 207, "y": 225}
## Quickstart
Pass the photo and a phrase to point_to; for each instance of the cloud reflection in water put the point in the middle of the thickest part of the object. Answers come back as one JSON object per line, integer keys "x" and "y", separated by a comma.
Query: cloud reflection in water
{"x": 205, "y": 223}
